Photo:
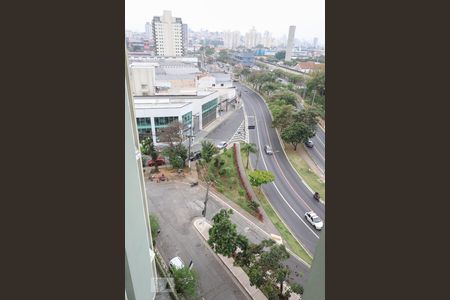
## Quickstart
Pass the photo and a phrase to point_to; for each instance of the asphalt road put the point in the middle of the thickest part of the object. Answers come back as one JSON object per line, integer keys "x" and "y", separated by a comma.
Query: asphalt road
{"x": 225, "y": 130}
{"x": 176, "y": 206}
{"x": 317, "y": 153}
{"x": 288, "y": 194}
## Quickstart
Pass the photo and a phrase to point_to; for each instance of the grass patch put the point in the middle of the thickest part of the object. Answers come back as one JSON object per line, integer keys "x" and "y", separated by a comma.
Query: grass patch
{"x": 292, "y": 243}
{"x": 304, "y": 171}
{"x": 228, "y": 182}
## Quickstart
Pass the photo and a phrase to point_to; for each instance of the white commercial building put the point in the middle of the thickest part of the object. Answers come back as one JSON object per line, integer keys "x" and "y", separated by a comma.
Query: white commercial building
{"x": 154, "y": 113}
{"x": 178, "y": 94}
{"x": 168, "y": 35}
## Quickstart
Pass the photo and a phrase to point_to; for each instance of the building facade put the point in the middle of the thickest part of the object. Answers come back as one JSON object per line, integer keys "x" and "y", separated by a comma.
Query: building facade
{"x": 168, "y": 35}
{"x": 155, "y": 113}
{"x": 141, "y": 281}
{"x": 246, "y": 59}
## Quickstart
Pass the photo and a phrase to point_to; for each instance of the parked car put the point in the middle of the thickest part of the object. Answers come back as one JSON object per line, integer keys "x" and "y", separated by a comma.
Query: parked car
{"x": 176, "y": 263}
{"x": 309, "y": 143}
{"x": 195, "y": 155}
{"x": 268, "y": 150}
{"x": 159, "y": 161}
{"x": 314, "y": 219}
{"x": 222, "y": 145}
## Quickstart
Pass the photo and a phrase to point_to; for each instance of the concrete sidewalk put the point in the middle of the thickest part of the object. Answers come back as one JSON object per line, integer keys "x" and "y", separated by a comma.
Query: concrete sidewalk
{"x": 203, "y": 226}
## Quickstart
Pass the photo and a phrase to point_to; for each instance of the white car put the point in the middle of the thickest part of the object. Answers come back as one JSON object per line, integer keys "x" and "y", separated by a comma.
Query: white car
{"x": 314, "y": 219}
{"x": 176, "y": 263}
{"x": 222, "y": 145}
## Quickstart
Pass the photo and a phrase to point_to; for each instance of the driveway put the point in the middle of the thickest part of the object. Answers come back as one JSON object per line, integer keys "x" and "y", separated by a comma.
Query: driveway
{"x": 176, "y": 205}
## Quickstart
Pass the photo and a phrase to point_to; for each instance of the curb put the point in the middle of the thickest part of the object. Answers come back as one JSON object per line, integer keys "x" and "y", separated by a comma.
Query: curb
{"x": 259, "y": 294}
{"x": 259, "y": 228}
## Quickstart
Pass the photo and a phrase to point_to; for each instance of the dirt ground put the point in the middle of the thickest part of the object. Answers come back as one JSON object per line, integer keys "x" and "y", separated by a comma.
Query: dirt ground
{"x": 172, "y": 174}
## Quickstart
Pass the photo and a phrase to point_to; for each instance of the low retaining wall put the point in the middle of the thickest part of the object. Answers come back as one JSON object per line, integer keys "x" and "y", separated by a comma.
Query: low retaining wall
{"x": 251, "y": 196}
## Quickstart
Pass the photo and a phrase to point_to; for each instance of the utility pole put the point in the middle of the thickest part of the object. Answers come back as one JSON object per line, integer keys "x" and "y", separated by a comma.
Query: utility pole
{"x": 190, "y": 136}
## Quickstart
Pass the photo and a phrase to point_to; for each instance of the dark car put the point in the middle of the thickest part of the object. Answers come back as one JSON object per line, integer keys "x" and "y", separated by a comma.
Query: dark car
{"x": 309, "y": 144}
{"x": 195, "y": 155}
{"x": 159, "y": 162}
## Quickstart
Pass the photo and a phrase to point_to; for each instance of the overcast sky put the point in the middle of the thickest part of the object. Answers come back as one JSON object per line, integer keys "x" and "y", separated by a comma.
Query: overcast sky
{"x": 274, "y": 15}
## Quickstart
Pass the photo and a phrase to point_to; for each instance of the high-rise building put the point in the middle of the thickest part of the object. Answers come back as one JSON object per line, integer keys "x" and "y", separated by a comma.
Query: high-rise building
{"x": 290, "y": 43}
{"x": 168, "y": 35}
{"x": 185, "y": 33}
{"x": 315, "y": 43}
{"x": 148, "y": 30}
{"x": 228, "y": 39}
{"x": 141, "y": 281}
{"x": 236, "y": 39}
{"x": 231, "y": 40}
{"x": 267, "y": 40}
{"x": 251, "y": 38}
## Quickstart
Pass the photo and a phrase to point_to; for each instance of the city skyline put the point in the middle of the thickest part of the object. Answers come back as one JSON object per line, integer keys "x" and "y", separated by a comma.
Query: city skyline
{"x": 308, "y": 16}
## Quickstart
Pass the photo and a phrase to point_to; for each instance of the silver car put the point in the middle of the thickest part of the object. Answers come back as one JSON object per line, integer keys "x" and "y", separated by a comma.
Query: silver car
{"x": 268, "y": 150}
{"x": 222, "y": 145}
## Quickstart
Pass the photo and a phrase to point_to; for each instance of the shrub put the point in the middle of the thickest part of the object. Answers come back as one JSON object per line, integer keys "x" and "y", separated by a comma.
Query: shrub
{"x": 154, "y": 225}
{"x": 241, "y": 192}
{"x": 253, "y": 205}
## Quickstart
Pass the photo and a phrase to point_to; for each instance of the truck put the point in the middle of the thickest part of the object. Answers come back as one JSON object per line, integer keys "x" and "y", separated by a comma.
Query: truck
{"x": 251, "y": 122}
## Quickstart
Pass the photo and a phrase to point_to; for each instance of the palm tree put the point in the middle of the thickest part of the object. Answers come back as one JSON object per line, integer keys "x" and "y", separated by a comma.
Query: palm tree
{"x": 249, "y": 148}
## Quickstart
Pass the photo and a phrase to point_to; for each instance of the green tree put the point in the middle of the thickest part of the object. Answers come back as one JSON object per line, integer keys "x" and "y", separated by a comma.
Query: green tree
{"x": 297, "y": 132}
{"x": 259, "y": 177}
{"x": 154, "y": 225}
{"x": 280, "y": 55}
{"x": 145, "y": 145}
{"x": 148, "y": 148}
{"x": 270, "y": 87}
{"x": 269, "y": 274}
{"x": 287, "y": 96}
{"x": 283, "y": 116}
{"x": 208, "y": 150}
{"x": 249, "y": 148}
{"x": 186, "y": 282}
{"x": 177, "y": 155}
{"x": 309, "y": 116}
{"x": 223, "y": 236}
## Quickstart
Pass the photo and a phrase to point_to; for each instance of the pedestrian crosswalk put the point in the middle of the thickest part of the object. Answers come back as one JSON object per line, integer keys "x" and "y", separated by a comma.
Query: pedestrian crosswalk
{"x": 241, "y": 134}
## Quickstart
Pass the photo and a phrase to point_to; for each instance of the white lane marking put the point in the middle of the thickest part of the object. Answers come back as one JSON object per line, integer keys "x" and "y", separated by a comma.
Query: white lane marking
{"x": 319, "y": 153}
{"x": 279, "y": 167}
{"x": 320, "y": 140}
{"x": 284, "y": 199}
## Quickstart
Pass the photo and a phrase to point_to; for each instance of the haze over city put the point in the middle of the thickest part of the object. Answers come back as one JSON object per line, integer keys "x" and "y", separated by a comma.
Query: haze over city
{"x": 307, "y": 15}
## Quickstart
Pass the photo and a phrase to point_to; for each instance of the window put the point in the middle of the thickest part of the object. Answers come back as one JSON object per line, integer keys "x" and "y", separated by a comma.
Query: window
{"x": 144, "y": 86}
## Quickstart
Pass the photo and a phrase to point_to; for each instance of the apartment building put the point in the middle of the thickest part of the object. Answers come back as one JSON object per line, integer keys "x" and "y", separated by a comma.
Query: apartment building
{"x": 168, "y": 35}
{"x": 141, "y": 281}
